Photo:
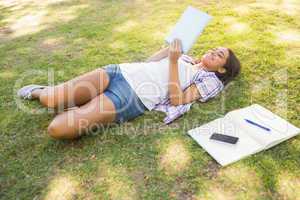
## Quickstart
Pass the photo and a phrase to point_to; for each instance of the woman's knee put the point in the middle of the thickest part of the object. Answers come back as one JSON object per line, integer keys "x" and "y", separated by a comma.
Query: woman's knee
{"x": 60, "y": 129}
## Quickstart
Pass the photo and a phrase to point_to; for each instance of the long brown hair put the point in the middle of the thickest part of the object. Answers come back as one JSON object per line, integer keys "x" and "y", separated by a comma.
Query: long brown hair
{"x": 232, "y": 66}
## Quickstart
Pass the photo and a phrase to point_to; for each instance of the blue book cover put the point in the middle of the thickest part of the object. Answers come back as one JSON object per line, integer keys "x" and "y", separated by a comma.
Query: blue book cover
{"x": 189, "y": 27}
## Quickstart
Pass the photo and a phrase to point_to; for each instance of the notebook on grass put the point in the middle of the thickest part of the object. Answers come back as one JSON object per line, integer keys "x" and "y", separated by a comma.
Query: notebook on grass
{"x": 256, "y": 127}
{"x": 189, "y": 27}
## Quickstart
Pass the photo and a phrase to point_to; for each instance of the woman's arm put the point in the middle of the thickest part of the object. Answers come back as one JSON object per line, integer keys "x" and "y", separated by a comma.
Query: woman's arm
{"x": 159, "y": 55}
{"x": 175, "y": 92}
{"x": 176, "y": 95}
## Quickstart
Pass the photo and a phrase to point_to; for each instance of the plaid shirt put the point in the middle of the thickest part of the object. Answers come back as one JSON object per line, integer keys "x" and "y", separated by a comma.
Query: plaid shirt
{"x": 208, "y": 85}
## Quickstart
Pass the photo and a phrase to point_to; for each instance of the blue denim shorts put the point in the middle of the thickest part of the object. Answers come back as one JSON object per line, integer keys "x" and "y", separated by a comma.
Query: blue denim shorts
{"x": 127, "y": 103}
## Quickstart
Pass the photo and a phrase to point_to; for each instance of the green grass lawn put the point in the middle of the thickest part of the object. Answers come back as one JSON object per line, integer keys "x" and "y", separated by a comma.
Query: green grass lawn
{"x": 144, "y": 159}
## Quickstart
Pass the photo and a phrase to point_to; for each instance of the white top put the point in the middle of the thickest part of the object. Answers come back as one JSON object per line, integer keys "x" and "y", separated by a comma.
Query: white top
{"x": 150, "y": 80}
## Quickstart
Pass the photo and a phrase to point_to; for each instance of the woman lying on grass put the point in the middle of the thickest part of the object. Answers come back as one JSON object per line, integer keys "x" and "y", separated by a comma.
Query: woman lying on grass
{"x": 167, "y": 81}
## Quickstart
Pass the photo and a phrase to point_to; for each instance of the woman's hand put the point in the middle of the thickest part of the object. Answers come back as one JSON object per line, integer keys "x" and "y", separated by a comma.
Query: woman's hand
{"x": 194, "y": 62}
{"x": 163, "y": 53}
{"x": 175, "y": 50}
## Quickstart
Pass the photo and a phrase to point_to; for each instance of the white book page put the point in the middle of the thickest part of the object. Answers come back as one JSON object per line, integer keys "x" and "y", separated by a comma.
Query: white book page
{"x": 188, "y": 28}
{"x": 280, "y": 128}
{"x": 225, "y": 153}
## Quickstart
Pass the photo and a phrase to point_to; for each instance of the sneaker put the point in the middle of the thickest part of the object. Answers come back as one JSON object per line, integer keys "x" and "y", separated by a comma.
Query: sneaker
{"x": 26, "y": 91}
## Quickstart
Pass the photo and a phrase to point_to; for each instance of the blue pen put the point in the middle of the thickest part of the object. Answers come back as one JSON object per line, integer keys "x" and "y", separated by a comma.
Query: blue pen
{"x": 258, "y": 125}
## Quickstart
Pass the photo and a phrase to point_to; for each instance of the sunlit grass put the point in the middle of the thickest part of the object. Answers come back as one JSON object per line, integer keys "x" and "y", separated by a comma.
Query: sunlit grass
{"x": 115, "y": 182}
{"x": 290, "y": 7}
{"x": 62, "y": 188}
{"x": 289, "y": 185}
{"x": 33, "y": 16}
{"x": 175, "y": 157}
{"x": 236, "y": 182}
{"x": 51, "y": 44}
{"x": 289, "y": 36}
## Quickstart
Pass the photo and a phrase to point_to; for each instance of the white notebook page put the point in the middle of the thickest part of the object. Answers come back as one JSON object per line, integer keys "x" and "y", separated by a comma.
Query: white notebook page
{"x": 280, "y": 128}
{"x": 222, "y": 152}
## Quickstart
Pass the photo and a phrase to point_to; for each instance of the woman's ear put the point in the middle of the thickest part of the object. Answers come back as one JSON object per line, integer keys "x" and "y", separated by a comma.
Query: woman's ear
{"x": 221, "y": 70}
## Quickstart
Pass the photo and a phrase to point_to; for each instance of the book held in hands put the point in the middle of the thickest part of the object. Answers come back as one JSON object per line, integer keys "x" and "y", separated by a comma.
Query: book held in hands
{"x": 189, "y": 27}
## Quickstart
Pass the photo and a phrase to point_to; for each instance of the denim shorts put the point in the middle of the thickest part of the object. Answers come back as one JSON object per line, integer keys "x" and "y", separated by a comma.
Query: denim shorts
{"x": 127, "y": 103}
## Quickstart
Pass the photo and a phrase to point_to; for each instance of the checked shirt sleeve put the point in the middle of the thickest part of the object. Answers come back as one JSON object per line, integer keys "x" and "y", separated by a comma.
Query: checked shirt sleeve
{"x": 172, "y": 112}
{"x": 208, "y": 85}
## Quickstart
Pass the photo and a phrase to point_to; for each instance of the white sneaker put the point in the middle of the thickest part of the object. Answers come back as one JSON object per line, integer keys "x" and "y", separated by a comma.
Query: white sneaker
{"x": 26, "y": 91}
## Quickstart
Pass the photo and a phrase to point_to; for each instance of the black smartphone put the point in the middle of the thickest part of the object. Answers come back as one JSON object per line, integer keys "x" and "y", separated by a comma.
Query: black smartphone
{"x": 224, "y": 138}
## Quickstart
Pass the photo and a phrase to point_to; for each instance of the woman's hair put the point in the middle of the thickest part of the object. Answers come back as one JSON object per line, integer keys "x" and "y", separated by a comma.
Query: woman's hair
{"x": 232, "y": 66}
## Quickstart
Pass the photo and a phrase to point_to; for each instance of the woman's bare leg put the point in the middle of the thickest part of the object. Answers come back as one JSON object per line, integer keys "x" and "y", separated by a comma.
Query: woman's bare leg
{"x": 75, "y": 92}
{"x": 71, "y": 124}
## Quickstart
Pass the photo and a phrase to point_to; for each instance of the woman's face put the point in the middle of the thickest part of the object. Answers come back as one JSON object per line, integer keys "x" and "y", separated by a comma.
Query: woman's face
{"x": 215, "y": 59}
